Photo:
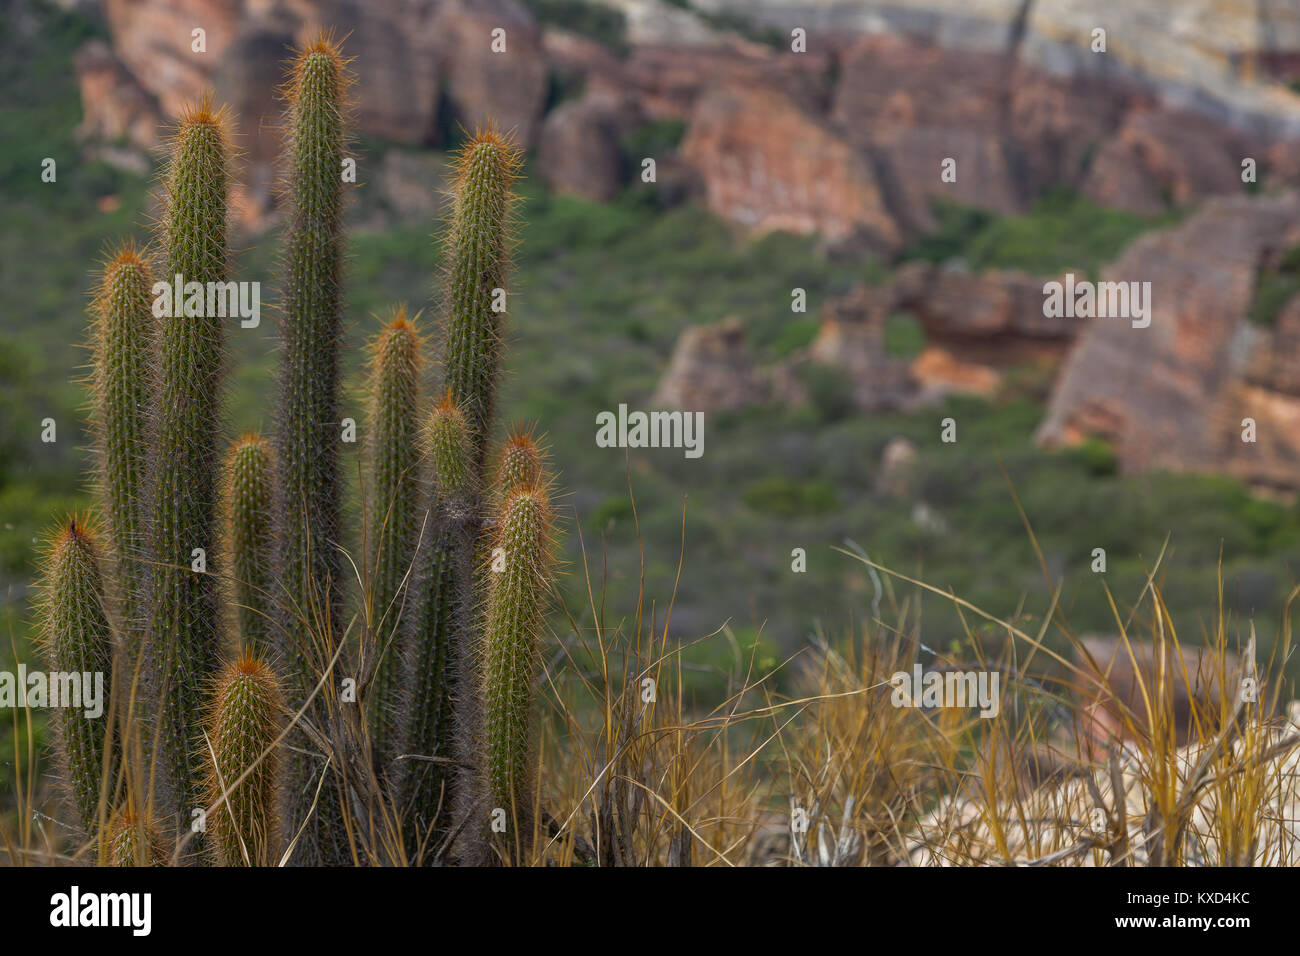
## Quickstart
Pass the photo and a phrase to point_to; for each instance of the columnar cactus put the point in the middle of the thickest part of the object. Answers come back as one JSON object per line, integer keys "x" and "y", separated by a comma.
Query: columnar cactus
{"x": 307, "y": 433}
{"x": 519, "y": 578}
{"x": 394, "y": 512}
{"x": 77, "y": 639}
{"x": 134, "y": 840}
{"x": 183, "y": 538}
{"x": 122, "y": 333}
{"x": 439, "y": 670}
{"x": 469, "y": 629}
{"x": 477, "y": 268}
{"x": 248, "y": 493}
{"x": 243, "y": 723}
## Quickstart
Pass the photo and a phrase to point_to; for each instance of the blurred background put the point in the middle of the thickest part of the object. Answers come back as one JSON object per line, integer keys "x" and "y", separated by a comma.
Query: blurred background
{"x": 797, "y": 269}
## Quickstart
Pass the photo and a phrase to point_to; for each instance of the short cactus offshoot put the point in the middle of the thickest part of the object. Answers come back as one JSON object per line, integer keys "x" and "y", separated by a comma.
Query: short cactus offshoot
{"x": 242, "y": 726}
{"x": 394, "y": 512}
{"x": 440, "y": 692}
{"x": 134, "y": 841}
{"x": 456, "y": 637}
{"x": 77, "y": 640}
{"x": 249, "y": 482}
{"x": 122, "y": 331}
{"x": 519, "y": 580}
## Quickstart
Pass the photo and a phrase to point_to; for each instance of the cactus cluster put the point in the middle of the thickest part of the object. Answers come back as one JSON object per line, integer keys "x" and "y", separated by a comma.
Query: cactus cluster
{"x": 217, "y": 594}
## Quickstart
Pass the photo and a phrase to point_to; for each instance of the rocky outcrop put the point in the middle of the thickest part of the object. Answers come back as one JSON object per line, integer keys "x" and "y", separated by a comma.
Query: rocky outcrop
{"x": 1161, "y": 157}
{"x": 955, "y": 305}
{"x": 766, "y": 164}
{"x": 413, "y": 184}
{"x": 408, "y": 54}
{"x": 1228, "y": 60}
{"x": 846, "y": 139}
{"x": 1173, "y": 395}
{"x": 114, "y": 105}
{"x": 977, "y": 326}
{"x": 912, "y": 106}
{"x": 484, "y": 86}
{"x": 421, "y": 66}
{"x": 711, "y": 370}
{"x": 1116, "y": 679}
{"x": 670, "y": 80}
{"x": 579, "y": 152}
{"x": 852, "y": 339}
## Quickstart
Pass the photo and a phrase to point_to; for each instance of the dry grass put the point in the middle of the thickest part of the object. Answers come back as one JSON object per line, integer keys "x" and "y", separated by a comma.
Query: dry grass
{"x": 633, "y": 773}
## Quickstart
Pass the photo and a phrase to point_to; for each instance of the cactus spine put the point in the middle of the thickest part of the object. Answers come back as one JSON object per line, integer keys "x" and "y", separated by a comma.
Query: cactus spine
{"x": 77, "y": 639}
{"x": 182, "y": 494}
{"x": 519, "y": 580}
{"x": 242, "y": 726}
{"x": 248, "y": 491}
{"x": 394, "y": 517}
{"x": 438, "y": 671}
{"x": 307, "y": 438}
{"x": 122, "y": 326}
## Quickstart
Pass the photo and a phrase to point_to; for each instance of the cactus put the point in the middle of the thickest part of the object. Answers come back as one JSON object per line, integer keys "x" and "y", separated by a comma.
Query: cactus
{"x": 243, "y": 723}
{"x": 394, "y": 519}
{"x": 134, "y": 841}
{"x": 453, "y": 684}
{"x": 248, "y": 491}
{"x": 477, "y": 268}
{"x": 439, "y": 671}
{"x": 520, "y": 465}
{"x": 307, "y": 506}
{"x": 519, "y": 579}
{"x": 122, "y": 327}
{"x": 182, "y": 630}
{"x": 77, "y": 639}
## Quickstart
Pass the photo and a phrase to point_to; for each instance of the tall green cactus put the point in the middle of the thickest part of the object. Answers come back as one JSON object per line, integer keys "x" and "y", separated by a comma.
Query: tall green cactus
{"x": 182, "y": 491}
{"x": 248, "y": 494}
{"x": 394, "y": 512}
{"x": 307, "y": 436}
{"x": 477, "y": 268}
{"x": 122, "y": 332}
{"x": 518, "y": 583}
{"x": 77, "y": 639}
{"x": 243, "y": 723}
{"x": 439, "y": 676}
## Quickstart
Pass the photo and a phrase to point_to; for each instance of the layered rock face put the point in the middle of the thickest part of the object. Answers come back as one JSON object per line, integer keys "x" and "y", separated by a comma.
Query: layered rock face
{"x": 421, "y": 66}
{"x": 711, "y": 370}
{"x": 1229, "y": 58}
{"x": 408, "y": 54}
{"x": 846, "y": 139}
{"x": 766, "y": 165}
{"x": 1174, "y": 395}
{"x": 579, "y": 151}
{"x": 852, "y": 338}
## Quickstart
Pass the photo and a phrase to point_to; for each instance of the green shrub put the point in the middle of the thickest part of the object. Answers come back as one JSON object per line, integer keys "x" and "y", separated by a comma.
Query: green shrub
{"x": 778, "y": 496}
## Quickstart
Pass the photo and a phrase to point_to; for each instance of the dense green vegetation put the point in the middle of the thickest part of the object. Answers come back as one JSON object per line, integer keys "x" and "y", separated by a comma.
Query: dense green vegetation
{"x": 602, "y": 292}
